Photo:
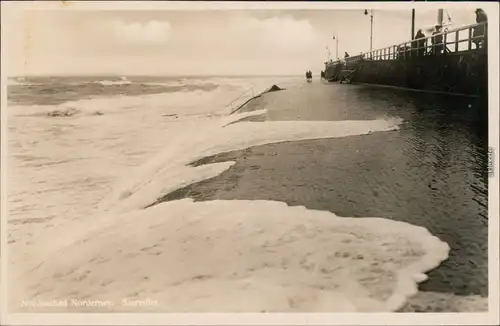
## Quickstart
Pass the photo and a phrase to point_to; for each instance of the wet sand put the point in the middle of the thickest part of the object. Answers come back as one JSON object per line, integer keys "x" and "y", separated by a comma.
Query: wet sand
{"x": 427, "y": 174}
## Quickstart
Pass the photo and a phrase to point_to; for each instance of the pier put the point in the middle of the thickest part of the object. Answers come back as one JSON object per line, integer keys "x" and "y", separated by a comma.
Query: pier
{"x": 455, "y": 66}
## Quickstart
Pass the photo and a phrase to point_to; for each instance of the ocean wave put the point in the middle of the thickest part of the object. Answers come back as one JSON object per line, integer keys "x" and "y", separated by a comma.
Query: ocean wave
{"x": 205, "y": 99}
{"x": 45, "y": 91}
{"x": 111, "y": 82}
{"x": 20, "y": 82}
{"x": 164, "y": 83}
{"x": 55, "y": 94}
{"x": 14, "y": 82}
{"x": 122, "y": 81}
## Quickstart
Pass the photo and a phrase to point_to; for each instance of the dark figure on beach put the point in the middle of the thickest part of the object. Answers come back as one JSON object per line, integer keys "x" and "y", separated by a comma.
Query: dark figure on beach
{"x": 322, "y": 74}
{"x": 419, "y": 45}
{"x": 346, "y": 55}
{"x": 437, "y": 41}
{"x": 479, "y": 30}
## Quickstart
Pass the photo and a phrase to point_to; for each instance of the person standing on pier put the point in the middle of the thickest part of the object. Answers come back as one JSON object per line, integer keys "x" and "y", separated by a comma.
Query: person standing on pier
{"x": 479, "y": 30}
{"x": 420, "y": 44}
{"x": 437, "y": 41}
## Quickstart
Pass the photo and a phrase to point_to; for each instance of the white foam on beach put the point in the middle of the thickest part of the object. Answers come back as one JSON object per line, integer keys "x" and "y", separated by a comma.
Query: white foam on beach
{"x": 171, "y": 170}
{"x": 64, "y": 158}
{"x": 241, "y": 256}
{"x": 178, "y": 144}
{"x": 211, "y": 256}
{"x": 258, "y": 255}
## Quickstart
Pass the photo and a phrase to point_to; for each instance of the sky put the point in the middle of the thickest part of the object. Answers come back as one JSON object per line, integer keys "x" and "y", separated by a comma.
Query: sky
{"x": 216, "y": 42}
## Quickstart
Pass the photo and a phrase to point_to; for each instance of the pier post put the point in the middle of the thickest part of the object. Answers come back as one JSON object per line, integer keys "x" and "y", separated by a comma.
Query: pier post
{"x": 445, "y": 43}
{"x": 469, "y": 41}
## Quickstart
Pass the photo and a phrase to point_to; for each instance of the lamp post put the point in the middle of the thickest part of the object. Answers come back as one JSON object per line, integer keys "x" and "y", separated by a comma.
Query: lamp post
{"x": 412, "y": 24}
{"x": 371, "y": 27}
{"x": 335, "y": 37}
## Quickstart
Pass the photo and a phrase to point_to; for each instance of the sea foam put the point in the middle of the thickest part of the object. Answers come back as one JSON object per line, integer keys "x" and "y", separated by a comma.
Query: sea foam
{"x": 242, "y": 256}
{"x": 234, "y": 256}
{"x": 229, "y": 256}
{"x": 170, "y": 170}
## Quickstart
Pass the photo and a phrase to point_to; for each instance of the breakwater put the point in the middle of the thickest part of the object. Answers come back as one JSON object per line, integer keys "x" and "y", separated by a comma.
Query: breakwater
{"x": 457, "y": 65}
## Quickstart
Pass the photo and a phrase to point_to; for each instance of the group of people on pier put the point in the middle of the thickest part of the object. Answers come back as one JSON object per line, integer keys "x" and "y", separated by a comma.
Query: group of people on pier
{"x": 418, "y": 47}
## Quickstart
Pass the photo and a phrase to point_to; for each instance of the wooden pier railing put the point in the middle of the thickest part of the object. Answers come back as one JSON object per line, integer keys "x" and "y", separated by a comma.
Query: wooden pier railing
{"x": 452, "y": 41}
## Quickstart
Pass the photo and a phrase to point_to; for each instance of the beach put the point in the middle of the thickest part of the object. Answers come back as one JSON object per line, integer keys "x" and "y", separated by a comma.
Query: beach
{"x": 316, "y": 198}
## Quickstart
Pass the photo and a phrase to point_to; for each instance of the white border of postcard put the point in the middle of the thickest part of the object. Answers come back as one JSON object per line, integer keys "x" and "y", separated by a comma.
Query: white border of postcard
{"x": 489, "y": 318}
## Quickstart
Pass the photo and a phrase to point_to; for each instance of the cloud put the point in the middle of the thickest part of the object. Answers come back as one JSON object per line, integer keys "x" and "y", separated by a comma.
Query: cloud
{"x": 152, "y": 32}
{"x": 219, "y": 42}
{"x": 284, "y": 34}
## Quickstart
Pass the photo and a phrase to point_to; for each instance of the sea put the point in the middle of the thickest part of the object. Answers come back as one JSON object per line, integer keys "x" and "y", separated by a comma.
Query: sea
{"x": 80, "y": 147}
{"x": 71, "y": 138}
